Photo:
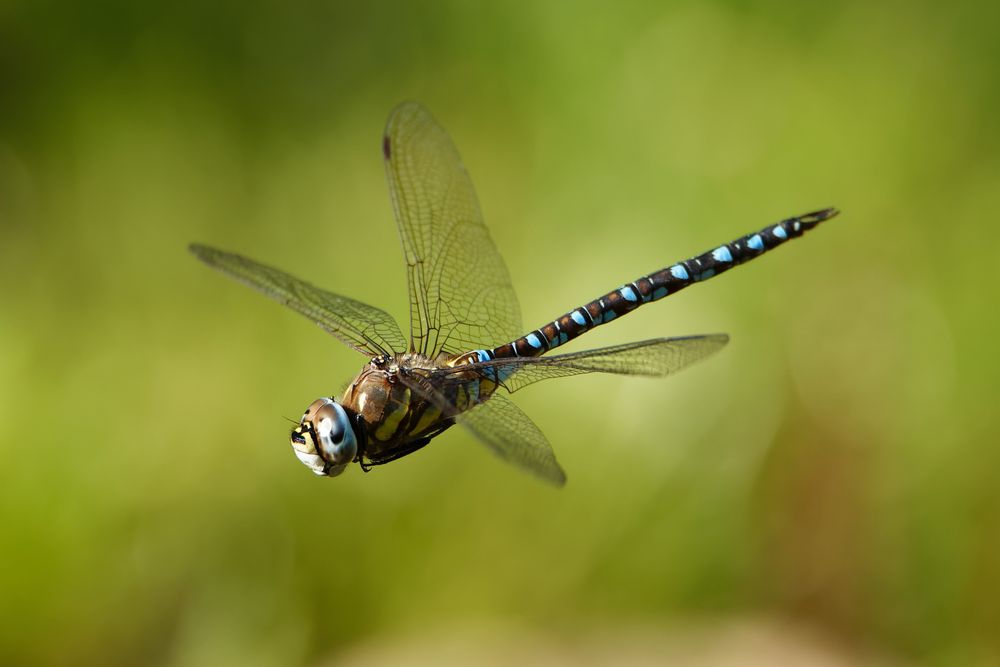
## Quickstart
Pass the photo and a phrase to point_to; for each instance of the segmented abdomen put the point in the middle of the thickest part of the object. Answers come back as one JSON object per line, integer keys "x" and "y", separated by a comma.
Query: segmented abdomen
{"x": 655, "y": 286}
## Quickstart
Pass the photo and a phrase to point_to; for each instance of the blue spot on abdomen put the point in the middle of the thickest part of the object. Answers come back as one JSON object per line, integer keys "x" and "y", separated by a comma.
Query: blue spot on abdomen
{"x": 722, "y": 254}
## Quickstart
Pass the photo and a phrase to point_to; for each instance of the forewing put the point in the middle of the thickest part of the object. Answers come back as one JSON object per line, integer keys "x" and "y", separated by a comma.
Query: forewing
{"x": 655, "y": 358}
{"x": 365, "y": 328}
{"x": 501, "y": 426}
{"x": 461, "y": 297}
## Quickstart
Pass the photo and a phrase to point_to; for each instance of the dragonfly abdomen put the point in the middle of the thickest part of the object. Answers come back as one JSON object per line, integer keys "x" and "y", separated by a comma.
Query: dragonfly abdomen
{"x": 657, "y": 285}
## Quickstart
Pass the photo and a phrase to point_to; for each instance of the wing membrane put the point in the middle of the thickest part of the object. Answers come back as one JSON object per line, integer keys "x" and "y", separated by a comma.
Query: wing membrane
{"x": 510, "y": 433}
{"x": 512, "y": 436}
{"x": 655, "y": 358}
{"x": 501, "y": 426}
{"x": 461, "y": 297}
{"x": 367, "y": 329}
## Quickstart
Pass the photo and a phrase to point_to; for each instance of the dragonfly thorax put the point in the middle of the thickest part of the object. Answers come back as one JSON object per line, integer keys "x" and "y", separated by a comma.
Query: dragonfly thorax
{"x": 325, "y": 439}
{"x": 377, "y": 419}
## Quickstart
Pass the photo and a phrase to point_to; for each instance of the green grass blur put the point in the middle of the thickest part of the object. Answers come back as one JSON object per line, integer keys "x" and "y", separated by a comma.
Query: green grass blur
{"x": 832, "y": 472}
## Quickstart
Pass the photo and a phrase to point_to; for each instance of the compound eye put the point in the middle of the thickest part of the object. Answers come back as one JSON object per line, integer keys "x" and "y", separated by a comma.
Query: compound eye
{"x": 334, "y": 434}
{"x": 324, "y": 440}
{"x": 330, "y": 427}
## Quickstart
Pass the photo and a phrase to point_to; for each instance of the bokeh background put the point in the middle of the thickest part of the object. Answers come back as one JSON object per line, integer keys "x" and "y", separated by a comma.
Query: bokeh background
{"x": 824, "y": 491}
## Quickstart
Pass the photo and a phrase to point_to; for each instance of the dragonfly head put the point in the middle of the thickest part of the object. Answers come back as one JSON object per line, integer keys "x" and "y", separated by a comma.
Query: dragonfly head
{"x": 325, "y": 440}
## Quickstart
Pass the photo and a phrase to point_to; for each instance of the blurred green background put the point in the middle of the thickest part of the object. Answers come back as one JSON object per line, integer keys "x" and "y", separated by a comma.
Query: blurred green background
{"x": 824, "y": 491}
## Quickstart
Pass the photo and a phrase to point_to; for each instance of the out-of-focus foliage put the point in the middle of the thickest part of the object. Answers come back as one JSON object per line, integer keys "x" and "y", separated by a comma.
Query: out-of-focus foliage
{"x": 835, "y": 468}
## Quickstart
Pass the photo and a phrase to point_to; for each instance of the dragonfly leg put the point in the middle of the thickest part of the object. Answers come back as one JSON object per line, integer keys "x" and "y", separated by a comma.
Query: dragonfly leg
{"x": 405, "y": 449}
{"x": 408, "y": 448}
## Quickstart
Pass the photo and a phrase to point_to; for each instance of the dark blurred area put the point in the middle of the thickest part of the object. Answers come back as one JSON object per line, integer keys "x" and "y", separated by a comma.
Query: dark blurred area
{"x": 822, "y": 492}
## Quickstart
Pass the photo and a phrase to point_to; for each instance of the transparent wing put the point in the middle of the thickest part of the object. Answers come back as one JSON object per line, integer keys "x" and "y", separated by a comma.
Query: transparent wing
{"x": 657, "y": 357}
{"x": 512, "y": 436}
{"x": 460, "y": 292}
{"x": 501, "y": 426}
{"x": 365, "y": 328}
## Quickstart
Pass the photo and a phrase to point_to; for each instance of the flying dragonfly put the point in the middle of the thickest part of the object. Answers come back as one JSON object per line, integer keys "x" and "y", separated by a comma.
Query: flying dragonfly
{"x": 467, "y": 349}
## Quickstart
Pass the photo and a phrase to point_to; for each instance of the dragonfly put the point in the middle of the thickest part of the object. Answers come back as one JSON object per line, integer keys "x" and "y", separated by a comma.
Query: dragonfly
{"x": 467, "y": 350}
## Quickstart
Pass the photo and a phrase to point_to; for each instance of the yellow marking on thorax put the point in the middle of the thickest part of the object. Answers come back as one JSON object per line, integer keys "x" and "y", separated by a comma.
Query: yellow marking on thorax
{"x": 486, "y": 387}
{"x": 431, "y": 415}
{"x": 390, "y": 421}
{"x": 461, "y": 398}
